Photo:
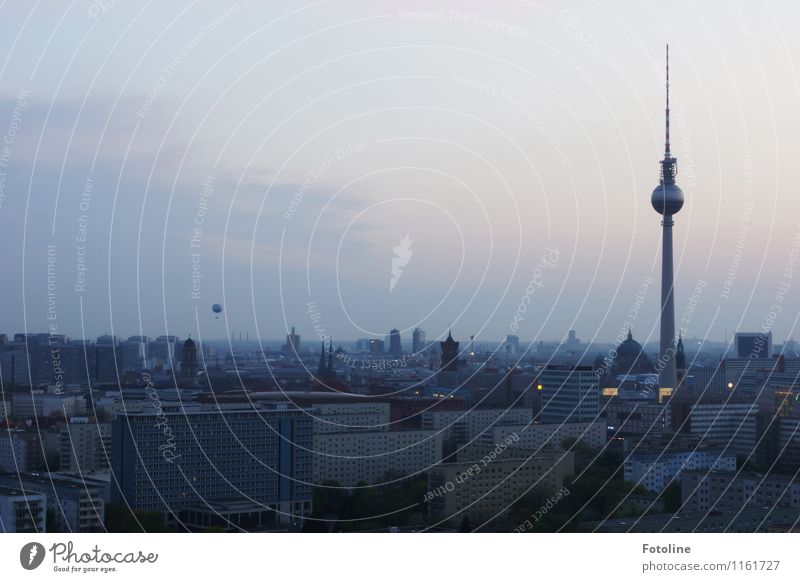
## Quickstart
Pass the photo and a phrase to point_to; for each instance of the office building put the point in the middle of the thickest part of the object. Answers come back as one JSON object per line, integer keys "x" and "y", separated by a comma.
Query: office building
{"x": 461, "y": 426}
{"x": 76, "y": 506}
{"x": 22, "y": 511}
{"x": 350, "y": 417}
{"x": 31, "y": 405}
{"x": 541, "y": 436}
{"x": 395, "y": 343}
{"x": 134, "y": 353}
{"x": 655, "y": 468}
{"x": 292, "y": 345}
{"x": 189, "y": 366}
{"x": 719, "y": 490}
{"x": 85, "y": 446}
{"x": 729, "y": 424}
{"x": 484, "y": 492}
{"x": 376, "y": 346}
{"x": 20, "y": 451}
{"x": 418, "y": 343}
{"x": 374, "y": 456}
{"x": 167, "y": 461}
{"x": 753, "y": 345}
{"x": 569, "y": 394}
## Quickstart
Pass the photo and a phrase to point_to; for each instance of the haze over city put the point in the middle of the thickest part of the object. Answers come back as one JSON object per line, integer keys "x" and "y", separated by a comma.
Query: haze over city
{"x": 305, "y": 143}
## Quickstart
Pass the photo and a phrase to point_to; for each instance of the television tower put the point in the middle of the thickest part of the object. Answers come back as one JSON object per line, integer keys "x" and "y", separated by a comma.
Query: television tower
{"x": 667, "y": 200}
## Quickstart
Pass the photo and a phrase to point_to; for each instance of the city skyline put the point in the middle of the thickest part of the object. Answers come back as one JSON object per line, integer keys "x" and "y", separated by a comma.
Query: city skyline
{"x": 357, "y": 267}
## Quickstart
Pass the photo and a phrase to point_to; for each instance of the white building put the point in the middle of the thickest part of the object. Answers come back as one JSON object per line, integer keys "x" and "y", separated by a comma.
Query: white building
{"x": 465, "y": 425}
{"x": 726, "y": 424}
{"x": 26, "y": 406}
{"x": 369, "y": 456}
{"x": 22, "y": 511}
{"x": 655, "y": 470}
{"x": 85, "y": 447}
{"x": 350, "y": 417}
{"x": 549, "y": 435}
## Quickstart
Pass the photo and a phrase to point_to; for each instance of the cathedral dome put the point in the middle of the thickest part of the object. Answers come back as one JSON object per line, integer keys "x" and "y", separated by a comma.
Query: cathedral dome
{"x": 631, "y": 358}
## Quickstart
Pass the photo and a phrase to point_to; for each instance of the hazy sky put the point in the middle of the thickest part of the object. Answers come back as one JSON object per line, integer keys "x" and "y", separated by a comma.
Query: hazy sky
{"x": 297, "y": 144}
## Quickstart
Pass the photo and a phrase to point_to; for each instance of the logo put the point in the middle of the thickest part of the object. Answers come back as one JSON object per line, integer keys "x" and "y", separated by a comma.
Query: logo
{"x": 402, "y": 255}
{"x": 31, "y": 555}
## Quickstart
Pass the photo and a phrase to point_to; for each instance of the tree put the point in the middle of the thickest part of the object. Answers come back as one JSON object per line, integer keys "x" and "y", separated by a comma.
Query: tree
{"x": 466, "y": 526}
{"x": 672, "y": 497}
{"x": 121, "y": 519}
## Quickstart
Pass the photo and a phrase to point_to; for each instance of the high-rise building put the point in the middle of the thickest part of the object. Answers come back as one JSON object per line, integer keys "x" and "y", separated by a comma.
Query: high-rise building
{"x": 292, "y": 345}
{"x": 168, "y": 461}
{"x": 189, "y": 363}
{"x": 85, "y": 446}
{"x": 134, "y": 353}
{"x": 164, "y": 350}
{"x": 572, "y": 343}
{"x": 374, "y": 456}
{"x": 569, "y": 394}
{"x": 395, "y": 344}
{"x": 417, "y": 341}
{"x": 376, "y": 346}
{"x": 751, "y": 345}
{"x": 512, "y": 344}
{"x": 667, "y": 200}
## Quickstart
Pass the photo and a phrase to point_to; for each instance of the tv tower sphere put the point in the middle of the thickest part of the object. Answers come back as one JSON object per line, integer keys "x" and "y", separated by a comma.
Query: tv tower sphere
{"x": 667, "y": 198}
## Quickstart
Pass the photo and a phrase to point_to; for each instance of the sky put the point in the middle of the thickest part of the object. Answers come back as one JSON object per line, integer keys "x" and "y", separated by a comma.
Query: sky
{"x": 350, "y": 167}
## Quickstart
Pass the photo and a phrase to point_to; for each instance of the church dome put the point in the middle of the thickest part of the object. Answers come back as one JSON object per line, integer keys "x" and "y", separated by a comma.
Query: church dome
{"x": 630, "y": 347}
{"x": 631, "y": 358}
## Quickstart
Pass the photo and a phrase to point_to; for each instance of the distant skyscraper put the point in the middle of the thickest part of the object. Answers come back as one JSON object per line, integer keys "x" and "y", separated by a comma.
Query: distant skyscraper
{"x": 395, "y": 344}
{"x": 449, "y": 354}
{"x": 572, "y": 343}
{"x": 667, "y": 200}
{"x": 753, "y": 345}
{"x": 376, "y": 346}
{"x": 189, "y": 362}
{"x": 417, "y": 341}
{"x": 513, "y": 342}
{"x": 134, "y": 353}
{"x": 292, "y": 346}
{"x": 163, "y": 350}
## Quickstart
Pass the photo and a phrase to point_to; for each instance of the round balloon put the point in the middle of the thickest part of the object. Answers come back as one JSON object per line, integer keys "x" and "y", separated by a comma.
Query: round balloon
{"x": 216, "y": 308}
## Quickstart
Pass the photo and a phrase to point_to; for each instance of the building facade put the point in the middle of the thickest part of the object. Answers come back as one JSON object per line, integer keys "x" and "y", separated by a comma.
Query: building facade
{"x": 166, "y": 461}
